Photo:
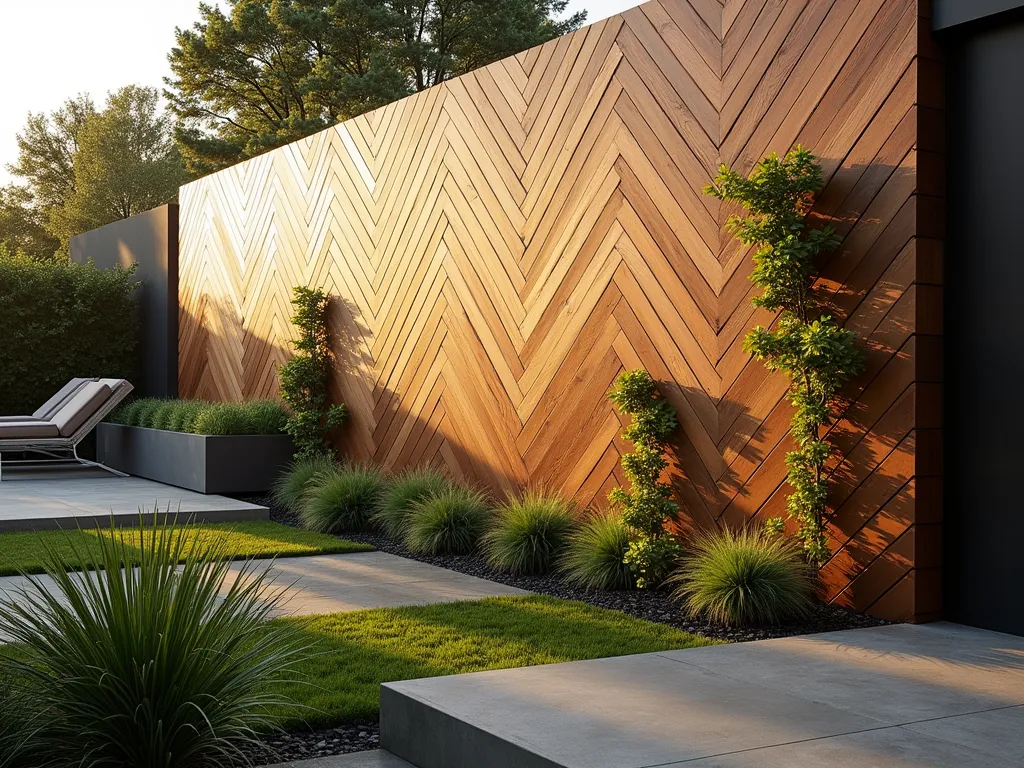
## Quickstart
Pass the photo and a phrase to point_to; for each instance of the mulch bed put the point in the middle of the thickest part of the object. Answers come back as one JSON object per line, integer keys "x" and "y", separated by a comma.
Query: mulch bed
{"x": 651, "y": 605}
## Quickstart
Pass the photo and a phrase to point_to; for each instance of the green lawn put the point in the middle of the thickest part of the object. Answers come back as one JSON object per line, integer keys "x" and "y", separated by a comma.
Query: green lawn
{"x": 356, "y": 652}
{"x": 25, "y": 552}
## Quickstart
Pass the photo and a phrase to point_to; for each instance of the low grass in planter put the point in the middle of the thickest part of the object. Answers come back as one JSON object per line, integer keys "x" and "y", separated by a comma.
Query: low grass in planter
{"x": 530, "y": 533}
{"x": 355, "y": 652}
{"x": 198, "y": 417}
{"x": 26, "y": 552}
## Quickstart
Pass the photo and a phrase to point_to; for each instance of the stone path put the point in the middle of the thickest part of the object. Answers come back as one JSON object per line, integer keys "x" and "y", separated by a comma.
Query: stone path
{"x": 335, "y": 583}
{"x": 71, "y": 499}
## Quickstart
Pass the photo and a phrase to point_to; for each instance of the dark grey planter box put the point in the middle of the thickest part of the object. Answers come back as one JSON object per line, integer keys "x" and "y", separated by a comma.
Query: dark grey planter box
{"x": 203, "y": 463}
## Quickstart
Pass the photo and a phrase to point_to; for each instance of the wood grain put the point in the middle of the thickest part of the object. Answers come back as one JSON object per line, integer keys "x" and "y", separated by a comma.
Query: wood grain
{"x": 501, "y": 246}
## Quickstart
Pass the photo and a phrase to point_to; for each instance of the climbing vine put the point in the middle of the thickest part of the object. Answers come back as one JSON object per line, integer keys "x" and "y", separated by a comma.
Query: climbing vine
{"x": 808, "y": 346}
{"x": 304, "y": 377}
{"x": 647, "y": 506}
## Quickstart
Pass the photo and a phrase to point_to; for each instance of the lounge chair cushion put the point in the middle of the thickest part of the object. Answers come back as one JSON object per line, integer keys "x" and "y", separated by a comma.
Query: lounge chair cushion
{"x": 27, "y": 430}
{"x": 80, "y": 408}
{"x": 49, "y": 409}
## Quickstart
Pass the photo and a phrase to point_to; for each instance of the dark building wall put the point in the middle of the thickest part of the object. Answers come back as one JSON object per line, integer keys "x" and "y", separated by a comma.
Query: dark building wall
{"x": 149, "y": 239}
{"x": 984, "y": 328}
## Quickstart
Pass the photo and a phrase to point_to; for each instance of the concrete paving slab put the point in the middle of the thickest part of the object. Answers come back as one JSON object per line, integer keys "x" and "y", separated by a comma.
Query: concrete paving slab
{"x": 998, "y": 733}
{"x": 375, "y": 758}
{"x": 903, "y": 696}
{"x": 905, "y": 673}
{"x": 67, "y": 500}
{"x": 885, "y": 748}
{"x": 337, "y": 583}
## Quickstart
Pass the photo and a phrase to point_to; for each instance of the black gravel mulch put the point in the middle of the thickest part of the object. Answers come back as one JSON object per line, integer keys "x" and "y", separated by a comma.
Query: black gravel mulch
{"x": 650, "y": 605}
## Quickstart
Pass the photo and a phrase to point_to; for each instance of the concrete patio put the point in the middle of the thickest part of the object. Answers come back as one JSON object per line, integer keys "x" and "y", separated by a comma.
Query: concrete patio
{"x": 86, "y": 497}
{"x": 903, "y": 696}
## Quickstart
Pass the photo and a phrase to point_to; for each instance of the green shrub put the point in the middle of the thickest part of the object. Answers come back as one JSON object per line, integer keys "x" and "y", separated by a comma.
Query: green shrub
{"x": 744, "y": 578}
{"x": 183, "y": 419}
{"x": 290, "y": 487}
{"x": 62, "y": 320}
{"x": 595, "y": 557}
{"x": 160, "y": 417}
{"x": 450, "y": 523}
{"x": 127, "y": 413}
{"x": 159, "y": 665}
{"x": 343, "y": 499}
{"x": 647, "y": 503}
{"x": 405, "y": 490}
{"x": 145, "y": 414}
{"x": 304, "y": 378}
{"x": 529, "y": 533}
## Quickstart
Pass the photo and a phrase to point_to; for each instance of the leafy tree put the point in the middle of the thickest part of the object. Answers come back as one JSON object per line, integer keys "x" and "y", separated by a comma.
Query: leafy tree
{"x": 23, "y": 226}
{"x": 125, "y": 163}
{"x": 647, "y": 505}
{"x": 271, "y": 71}
{"x": 810, "y": 347}
{"x": 46, "y": 152}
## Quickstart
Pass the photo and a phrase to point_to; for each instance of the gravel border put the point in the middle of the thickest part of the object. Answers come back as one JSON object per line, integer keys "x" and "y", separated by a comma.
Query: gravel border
{"x": 652, "y": 606}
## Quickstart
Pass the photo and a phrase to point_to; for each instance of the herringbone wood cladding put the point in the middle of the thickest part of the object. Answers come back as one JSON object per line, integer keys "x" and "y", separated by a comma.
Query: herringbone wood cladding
{"x": 503, "y": 245}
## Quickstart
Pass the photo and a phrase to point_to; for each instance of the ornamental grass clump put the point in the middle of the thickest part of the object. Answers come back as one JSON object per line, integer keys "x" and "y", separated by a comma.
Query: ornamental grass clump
{"x": 290, "y": 487}
{"x": 744, "y": 578}
{"x": 530, "y": 533}
{"x": 154, "y": 666}
{"x": 647, "y": 505}
{"x": 402, "y": 493}
{"x": 450, "y": 523}
{"x": 342, "y": 499}
{"x": 806, "y": 344}
{"x": 596, "y": 552}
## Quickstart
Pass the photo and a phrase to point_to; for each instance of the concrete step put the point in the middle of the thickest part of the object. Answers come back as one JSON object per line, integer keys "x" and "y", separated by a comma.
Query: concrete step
{"x": 840, "y": 700}
{"x": 374, "y": 758}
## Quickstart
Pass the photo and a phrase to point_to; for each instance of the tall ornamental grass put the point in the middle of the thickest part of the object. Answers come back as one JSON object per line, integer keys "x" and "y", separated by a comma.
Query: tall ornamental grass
{"x": 152, "y": 666}
{"x": 530, "y": 532}
{"x": 745, "y": 578}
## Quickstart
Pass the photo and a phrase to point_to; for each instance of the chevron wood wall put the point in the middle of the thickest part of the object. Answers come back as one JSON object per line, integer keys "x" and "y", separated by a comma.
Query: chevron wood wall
{"x": 502, "y": 245}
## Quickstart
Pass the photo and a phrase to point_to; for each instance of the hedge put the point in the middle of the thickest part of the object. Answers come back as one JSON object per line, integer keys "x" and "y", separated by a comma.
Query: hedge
{"x": 60, "y": 320}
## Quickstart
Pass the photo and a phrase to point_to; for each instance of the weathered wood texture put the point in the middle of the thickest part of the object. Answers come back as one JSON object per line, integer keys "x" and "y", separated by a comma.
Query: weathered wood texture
{"x": 502, "y": 245}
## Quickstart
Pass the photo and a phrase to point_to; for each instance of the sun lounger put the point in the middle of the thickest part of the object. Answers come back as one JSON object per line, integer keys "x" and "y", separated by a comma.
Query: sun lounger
{"x": 57, "y": 427}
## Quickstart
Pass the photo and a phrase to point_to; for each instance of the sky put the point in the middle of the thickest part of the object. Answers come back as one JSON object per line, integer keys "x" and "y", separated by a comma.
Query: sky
{"x": 98, "y": 46}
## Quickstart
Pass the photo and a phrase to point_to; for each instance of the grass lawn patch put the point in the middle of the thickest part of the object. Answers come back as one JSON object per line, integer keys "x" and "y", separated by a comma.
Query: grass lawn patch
{"x": 259, "y": 539}
{"x": 358, "y": 651}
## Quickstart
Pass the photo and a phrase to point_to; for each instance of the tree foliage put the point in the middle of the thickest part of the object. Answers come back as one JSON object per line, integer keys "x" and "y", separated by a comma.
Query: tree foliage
{"x": 46, "y": 152}
{"x": 81, "y": 168}
{"x": 23, "y": 226}
{"x": 126, "y": 163}
{"x": 267, "y": 72}
{"x": 647, "y": 505}
{"x": 304, "y": 378}
{"x": 810, "y": 347}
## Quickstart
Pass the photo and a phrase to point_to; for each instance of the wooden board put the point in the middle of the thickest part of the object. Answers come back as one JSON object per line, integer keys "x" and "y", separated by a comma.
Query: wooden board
{"x": 501, "y": 246}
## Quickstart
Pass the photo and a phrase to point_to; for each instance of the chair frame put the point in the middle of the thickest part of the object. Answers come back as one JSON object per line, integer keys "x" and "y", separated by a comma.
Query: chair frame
{"x": 50, "y": 446}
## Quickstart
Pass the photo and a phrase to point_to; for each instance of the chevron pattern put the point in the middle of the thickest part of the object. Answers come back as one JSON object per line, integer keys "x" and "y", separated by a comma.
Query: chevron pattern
{"x": 503, "y": 245}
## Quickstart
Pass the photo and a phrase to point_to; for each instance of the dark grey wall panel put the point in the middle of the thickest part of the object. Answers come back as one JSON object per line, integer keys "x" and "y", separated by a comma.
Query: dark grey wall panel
{"x": 151, "y": 240}
{"x": 984, "y": 328}
{"x": 950, "y": 13}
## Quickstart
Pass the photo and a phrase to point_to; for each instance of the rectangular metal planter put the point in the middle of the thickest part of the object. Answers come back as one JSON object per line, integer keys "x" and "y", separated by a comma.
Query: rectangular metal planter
{"x": 203, "y": 463}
